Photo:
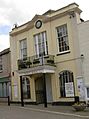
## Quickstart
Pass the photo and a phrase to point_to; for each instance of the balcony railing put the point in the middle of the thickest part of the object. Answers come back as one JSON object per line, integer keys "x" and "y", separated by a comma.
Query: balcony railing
{"x": 33, "y": 61}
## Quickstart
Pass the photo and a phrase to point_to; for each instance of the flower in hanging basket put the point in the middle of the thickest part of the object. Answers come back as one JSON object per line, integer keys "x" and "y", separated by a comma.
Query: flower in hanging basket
{"x": 28, "y": 63}
{"x": 79, "y": 106}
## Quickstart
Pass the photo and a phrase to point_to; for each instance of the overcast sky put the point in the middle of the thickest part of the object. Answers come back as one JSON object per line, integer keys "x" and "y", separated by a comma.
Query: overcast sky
{"x": 21, "y": 11}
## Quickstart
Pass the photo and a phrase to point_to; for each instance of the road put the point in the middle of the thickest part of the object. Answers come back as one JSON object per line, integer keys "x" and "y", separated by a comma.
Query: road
{"x": 14, "y": 112}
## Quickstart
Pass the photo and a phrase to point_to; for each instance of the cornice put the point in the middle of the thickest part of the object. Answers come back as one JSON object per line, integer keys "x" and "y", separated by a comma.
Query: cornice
{"x": 46, "y": 18}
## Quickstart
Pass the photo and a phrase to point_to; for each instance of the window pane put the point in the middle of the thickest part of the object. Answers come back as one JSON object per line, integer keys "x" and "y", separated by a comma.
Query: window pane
{"x": 0, "y": 89}
{"x": 65, "y": 77}
{"x": 0, "y": 59}
{"x": 26, "y": 88}
{"x": 41, "y": 46}
{"x": 62, "y": 37}
{"x": 23, "y": 48}
{"x": 0, "y": 67}
{"x": 88, "y": 92}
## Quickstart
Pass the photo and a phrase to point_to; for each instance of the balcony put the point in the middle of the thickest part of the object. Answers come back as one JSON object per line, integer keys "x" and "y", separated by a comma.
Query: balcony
{"x": 33, "y": 65}
{"x": 33, "y": 61}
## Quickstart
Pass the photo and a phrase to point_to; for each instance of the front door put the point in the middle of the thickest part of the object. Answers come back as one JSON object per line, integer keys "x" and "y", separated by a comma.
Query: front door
{"x": 39, "y": 90}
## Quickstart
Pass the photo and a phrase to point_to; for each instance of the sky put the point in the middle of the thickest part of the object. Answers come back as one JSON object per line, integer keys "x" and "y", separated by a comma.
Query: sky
{"x": 21, "y": 11}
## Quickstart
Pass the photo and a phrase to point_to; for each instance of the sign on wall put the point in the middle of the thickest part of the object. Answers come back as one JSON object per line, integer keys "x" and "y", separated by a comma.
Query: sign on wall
{"x": 69, "y": 89}
{"x": 81, "y": 91}
{"x": 15, "y": 89}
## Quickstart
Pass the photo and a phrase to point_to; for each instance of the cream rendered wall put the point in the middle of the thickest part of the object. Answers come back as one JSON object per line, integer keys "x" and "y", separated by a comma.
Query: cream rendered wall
{"x": 64, "y": 62}
{"x": 14, "y": 46}
{"x": 70, "y": 61}
{"x": 14, "y": 58}
{"x": 14, "y": 77}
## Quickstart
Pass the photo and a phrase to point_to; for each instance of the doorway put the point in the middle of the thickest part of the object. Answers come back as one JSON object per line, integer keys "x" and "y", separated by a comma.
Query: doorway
{"x": 39, "y": 89}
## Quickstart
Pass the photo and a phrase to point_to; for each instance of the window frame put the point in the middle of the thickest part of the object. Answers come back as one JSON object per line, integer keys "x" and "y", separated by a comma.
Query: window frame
{"x": 1, "y": 66}
{"x": 4, "y": 89}
{"x": 87, "y": 89}
{"x": 67, "y": 39}
{"x": 41, "y": 44}
{"x": 22, "y": 48}
{"x": 25, "y": 84}
{"x": 62, "y": 83}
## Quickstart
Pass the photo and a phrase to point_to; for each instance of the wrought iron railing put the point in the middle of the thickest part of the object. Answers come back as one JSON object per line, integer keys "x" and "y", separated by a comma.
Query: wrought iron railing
{"x": 34, "y": 61}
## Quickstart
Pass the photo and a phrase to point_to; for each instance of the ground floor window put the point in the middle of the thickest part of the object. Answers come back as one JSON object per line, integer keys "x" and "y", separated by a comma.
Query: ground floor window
{"x": 26, "y": 88}
{"x": 66, "y": 83}
{"x": 4, "y": 89}
{"x": 87, "y": 92}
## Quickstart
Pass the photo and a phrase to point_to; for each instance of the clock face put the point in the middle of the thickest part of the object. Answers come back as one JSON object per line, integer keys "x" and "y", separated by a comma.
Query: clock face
{"x": 38, "y": 24}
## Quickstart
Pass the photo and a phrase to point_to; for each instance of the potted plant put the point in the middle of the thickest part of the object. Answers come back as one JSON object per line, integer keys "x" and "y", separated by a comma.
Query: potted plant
{"x": 28, "y": 63}
{"x": 36, "y": 61}
{"x": 79, "y": 106}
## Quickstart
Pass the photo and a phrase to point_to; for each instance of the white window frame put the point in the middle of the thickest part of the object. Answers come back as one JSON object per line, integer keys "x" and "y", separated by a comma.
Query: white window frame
{"x": 26, "y": 92}
{"x": 64, "y": 77}
{"x": 39, "y": 40}
{"x": 65, "y": 35}
{"x": 23, "y": 48}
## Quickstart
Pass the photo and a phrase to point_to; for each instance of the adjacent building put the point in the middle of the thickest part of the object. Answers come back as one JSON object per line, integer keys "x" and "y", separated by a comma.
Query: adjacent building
{"x": 5, "y": 71}
{"x": 83, "y": 31}
{"x": 47, "y": 47}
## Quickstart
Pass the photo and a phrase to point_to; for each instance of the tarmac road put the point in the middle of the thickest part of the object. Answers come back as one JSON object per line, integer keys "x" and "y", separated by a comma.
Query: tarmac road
{"x": 16, "y": 112}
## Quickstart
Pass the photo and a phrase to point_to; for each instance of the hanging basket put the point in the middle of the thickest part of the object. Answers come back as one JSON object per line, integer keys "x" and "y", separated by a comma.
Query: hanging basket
{"x": 79, "y": 106}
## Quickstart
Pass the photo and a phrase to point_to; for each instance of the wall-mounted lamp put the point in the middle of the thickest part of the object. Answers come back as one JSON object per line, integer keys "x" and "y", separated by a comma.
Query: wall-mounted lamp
{"x": 71, "y": 14}
{"x": 82, "y": 56}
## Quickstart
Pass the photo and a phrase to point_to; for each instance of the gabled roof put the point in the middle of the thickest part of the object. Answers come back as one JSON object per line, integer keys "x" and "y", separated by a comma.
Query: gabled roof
{"x": 5, "y": 51}
{"x": 43, "y": 17}
{"x": 49, "y": 12}
{"x": 30, "y": 24}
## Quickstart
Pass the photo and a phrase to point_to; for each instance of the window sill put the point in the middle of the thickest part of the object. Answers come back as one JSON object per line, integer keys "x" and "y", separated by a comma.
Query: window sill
{"x": 66, "y": 97}
{"x": 65, "y": 52}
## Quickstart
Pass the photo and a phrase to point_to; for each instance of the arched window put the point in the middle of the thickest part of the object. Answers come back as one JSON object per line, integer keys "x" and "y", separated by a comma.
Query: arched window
{"x": 26, "y": 88}
{"x": 66, "y": 83}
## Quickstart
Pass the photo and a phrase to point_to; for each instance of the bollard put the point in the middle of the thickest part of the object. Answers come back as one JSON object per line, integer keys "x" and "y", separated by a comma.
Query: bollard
{"x": 8, "y": 101}
{"x": 76, "y": 99}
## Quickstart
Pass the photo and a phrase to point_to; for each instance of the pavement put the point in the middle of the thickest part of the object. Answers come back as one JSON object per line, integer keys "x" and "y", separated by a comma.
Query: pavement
{"x": 58, "y": 110}
{"x": 65, "y": 110}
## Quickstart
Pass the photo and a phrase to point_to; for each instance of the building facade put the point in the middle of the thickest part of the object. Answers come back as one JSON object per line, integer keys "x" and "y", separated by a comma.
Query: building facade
{"x": 5, "y": 71}
{"x": 47, "y": 47}
{"x": 83, "y": 31}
